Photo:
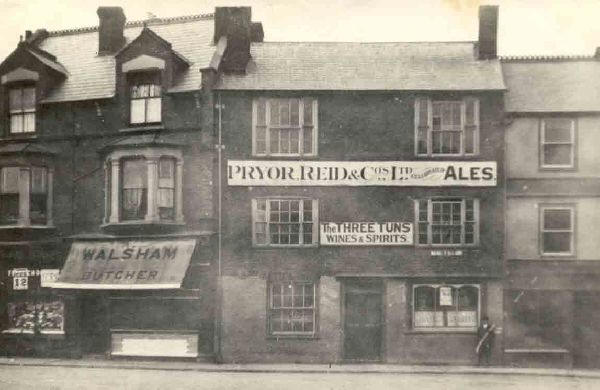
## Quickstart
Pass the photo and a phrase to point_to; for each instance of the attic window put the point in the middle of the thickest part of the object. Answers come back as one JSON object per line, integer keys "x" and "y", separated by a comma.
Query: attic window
{"x": 21, "y": 102}
{"x": 145, "y": 98}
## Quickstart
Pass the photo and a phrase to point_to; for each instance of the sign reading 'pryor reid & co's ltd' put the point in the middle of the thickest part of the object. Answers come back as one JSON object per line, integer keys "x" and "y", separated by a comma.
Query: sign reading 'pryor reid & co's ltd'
{"x": 361, "y": 173}
{"x": 366, "y": 233}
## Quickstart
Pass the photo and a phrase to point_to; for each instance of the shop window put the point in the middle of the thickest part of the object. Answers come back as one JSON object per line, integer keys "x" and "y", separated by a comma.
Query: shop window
{"x": 446, "y": 128}
{"x": 144, "y": 187}
{"x": 557, "y": 149}
{"x": 446, "y": 307}
{"x": 557, "y": 230}
{"x": 17, "y": 184}
{"x": 292, "y": 308}
{"x": 285, "y": 127}
{"x": 29, "y": 317}
{"x": 21, "y": 102}
{"x": 145, "y": 98}
{"x": 285, "y": 222}
{"x": 447, "y": 221}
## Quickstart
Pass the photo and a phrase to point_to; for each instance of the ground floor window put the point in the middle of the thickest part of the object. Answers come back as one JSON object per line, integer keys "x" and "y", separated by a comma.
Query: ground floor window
{"x": 292, "y": 308}
{"x": 446, "y": 306}
{"x": 27, "y": 316}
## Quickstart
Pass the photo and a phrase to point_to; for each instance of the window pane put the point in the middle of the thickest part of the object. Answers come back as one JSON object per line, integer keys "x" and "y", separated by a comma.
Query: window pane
{"x": 274, "y": 136}
{"x": 38, "y": 180}
{"x": 15, "y": 99}
{"x": 557, "y": 130}
{"x": 37, "y": 208}
{"x": 10, "y": 180}
{"x": 424, "y": 298}
{"x": 29, "y": 122}
{"x": 261, "y": 139}
{"x": 422, "y": 140}
{"x": 470, "y": 112}
{"x": 134, "y": 173}
{"x": 556, "y": 242}
{"x": 284, "y": 107}
{"x": 308, "y": 140}
{"x": 423, "y": 113}
{"x": 557, "y": 154}
{"x": 468, "y": 298}
{"x": 29, "y": 98}
{"x": 138, "y": 111}
{"x": 557, "y": 219}
{"x": 153, "y": 110}
{"x": 308, "y": 111}
{"x": 274, "y": 109}
{"x": 166, "y": 168}
{"x": 294, "y": 141}
{"x": 165, "y": 197}
{"x": 261, "y": 112}
{"x": 470, "y": 140}
{"x": 294, "y": 112}
{"x": 16, "y": 123}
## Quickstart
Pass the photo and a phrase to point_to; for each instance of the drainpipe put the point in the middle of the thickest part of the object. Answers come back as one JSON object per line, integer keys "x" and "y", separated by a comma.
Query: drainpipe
{"x": 219, "y": 227}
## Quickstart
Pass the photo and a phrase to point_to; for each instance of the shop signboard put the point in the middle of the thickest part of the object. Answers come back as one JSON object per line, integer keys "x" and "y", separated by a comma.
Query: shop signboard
{"x": 366, "y": 233}
{"x": 362, "y": 173}
{"x": 20, "y": 278}
{"x": 48, "y": 277}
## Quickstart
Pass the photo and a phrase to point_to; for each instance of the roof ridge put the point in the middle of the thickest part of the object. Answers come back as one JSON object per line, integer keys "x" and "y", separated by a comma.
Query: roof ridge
{"x": 542, "y": 57}
{"x": 359, "y": 42}
{"x": 135, "y": 23}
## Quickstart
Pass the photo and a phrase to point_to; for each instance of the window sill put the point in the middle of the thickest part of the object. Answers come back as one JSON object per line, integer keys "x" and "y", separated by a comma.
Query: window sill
{"x": 30, "y": 332}
{"x": 20, "y": 136}
{"x": 550, "y": 168}
{"x": 293, "y": 337}
{"x": 271, "y": 247}
{"x": 558, "y": 256}
{"x": 417, "y": 331}
{"x": 35, "y": 227}
{"x": 148, "y": 127}
{"x": 285, "y": 157}
{"x": 537, "y": 350}
{"x": 142, "y": 223}
{"x": 447, "y": 156}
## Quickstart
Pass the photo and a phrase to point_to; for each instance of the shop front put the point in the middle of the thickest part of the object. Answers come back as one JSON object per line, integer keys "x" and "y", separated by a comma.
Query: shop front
{"x": 141, "y": 298}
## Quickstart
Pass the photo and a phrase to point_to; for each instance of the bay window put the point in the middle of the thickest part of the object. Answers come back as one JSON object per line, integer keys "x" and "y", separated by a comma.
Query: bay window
{"x": 446, "y": 306}
{"x": 284, "y": 127}
{"x": 447, "y": 221}
{"x": 25, "y": 195}
{"x": 21, "y": 103}
{"x": 144, "y": 186}
{"x": 284, "y": 222}
{"x": 446, "y": 128}
{"x": 291, "y": 308}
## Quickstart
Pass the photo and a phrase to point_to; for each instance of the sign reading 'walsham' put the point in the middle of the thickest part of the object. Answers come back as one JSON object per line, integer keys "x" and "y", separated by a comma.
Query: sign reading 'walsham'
{"x": 366, "y": 233}
{"x": 361, "y": 173}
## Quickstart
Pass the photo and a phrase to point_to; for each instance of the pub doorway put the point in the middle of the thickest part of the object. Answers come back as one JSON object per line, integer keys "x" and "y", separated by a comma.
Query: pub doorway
{"x": 363, "y": 320}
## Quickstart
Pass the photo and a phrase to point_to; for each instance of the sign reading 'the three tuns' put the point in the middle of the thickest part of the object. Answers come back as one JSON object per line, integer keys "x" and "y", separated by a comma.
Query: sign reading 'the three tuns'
{"x": 361, "y": 173}
{"x": 366, "y": 233}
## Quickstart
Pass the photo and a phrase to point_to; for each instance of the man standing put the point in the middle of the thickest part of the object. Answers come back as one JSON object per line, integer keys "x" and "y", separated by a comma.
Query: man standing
{"x": 486, "y": 337}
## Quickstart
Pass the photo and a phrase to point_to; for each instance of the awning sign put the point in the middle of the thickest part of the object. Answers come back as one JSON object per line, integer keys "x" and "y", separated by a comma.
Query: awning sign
{"x": 366, "y": 233}
{"x": 126, "y": 265}
{"x": 361, "y": 173}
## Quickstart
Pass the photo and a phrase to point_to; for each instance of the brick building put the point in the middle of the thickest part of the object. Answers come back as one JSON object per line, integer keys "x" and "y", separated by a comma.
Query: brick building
{"x": 106, "y": 160}
{"x": 362, "y": 209}
{"x": 551, "y": 286}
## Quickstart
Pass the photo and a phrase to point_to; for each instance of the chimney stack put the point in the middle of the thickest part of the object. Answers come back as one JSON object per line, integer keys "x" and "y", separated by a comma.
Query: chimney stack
{"x": 235, "y": 24}
{"x": 110, "y": 30}
{"x": 488, "y": 32}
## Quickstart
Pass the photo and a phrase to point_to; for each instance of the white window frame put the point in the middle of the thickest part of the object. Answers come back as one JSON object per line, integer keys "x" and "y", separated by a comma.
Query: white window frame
{"x": 543, "y": 143}
{"x": 283, "y": 309}
{"x": 152, "y": 157}
{"x": 315, "y": 222}
{"x": 572, "y": 209}
{"x": 428, "y": 127}
{"x": 315, "y": 126}
{"x": 446, "y": 328}
{"x": 430, "y": 201}
{"x": 152, "y": 81}
{"x": 22, "y": 112}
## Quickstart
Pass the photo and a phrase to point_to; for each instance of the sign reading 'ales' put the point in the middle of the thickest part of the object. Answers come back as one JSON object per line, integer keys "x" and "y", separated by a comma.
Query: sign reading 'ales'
{"x": 361, "y": 173}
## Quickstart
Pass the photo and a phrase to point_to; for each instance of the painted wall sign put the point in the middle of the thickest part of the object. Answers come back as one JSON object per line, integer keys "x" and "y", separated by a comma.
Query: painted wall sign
{"x": 366, "y": 233}
{"x": 361, "y": 173}
{"x": 126, "y": 264}
{"x": 445, "y": 296}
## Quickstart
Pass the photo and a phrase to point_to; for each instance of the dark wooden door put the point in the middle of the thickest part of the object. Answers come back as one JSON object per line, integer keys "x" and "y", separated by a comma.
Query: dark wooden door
{"x": 94, "y": 327}
{"x": 586, "y": 352}
{"x": 363, "y": 323}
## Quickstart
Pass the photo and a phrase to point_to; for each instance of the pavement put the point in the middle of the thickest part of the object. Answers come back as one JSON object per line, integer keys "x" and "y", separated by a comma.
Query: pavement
{"x": 293, "y": 368}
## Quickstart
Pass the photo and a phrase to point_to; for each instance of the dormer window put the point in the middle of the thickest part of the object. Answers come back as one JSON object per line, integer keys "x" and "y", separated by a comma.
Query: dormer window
{"x": 21, "y": 102}
{"x": 145, "y": 98}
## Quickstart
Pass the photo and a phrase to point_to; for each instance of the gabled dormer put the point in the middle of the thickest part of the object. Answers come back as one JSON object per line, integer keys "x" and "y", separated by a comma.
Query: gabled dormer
{"x": 145, "y": 68}
{"x": 26, "y": 77}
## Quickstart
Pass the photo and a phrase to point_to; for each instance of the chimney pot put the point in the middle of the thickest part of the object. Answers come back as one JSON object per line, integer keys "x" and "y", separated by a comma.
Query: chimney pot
{"x": 110, "y": 29}
{"x": 488, "y": 32}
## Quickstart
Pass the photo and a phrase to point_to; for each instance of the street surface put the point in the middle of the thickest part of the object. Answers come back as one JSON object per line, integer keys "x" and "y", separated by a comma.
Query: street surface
{"x": 41, "y": 378}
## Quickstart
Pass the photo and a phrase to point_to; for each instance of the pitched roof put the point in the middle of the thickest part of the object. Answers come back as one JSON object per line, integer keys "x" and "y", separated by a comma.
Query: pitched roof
{"x": 93, "y": 77}
{"x": 365, "y": 66}
{"x": 552, "y": 85}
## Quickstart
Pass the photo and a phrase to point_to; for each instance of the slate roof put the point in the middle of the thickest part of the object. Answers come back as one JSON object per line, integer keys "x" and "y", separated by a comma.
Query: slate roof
{"x": 365, "y": 66}
{"x": 93, "y": 77}
{"x": 552, "y": 84}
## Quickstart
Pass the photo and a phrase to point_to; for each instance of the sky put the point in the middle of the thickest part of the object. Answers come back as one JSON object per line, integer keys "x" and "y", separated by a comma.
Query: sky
{"x": 526, "y": 27}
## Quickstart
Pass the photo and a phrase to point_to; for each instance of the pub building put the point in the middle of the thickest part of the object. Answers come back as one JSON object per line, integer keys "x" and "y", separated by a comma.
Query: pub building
{"x": 106, "y": 196}
{"x": 362, "y": 208}
{"x": 552, "y": 287}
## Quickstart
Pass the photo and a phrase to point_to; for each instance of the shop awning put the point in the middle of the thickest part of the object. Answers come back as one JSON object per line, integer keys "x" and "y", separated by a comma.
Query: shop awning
{"x": 126, "y": 265}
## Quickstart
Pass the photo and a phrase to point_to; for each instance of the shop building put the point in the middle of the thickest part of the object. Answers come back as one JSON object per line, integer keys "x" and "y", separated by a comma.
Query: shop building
{"x": 106, "y": 195}
{"x": 552, "y": 264}
{"x": 362, "y": 201}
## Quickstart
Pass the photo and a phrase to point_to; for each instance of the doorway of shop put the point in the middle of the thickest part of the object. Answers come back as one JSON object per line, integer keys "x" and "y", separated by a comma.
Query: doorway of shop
{"x": 363, "y": 320}
{"x": 93, "y": 325}
{"x": 586, "y": 353}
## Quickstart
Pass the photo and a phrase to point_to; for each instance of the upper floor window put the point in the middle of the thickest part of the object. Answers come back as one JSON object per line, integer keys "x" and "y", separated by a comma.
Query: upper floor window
{"x": 144, "y": 187}
{"x": 285, "y": 127}
{"x": 21, "y": 103}
{"x": 557, "y": 149}
{"x": 447, "y": 221}
{"x": 446, "y": 128}
{"x": 557, "y": 229}
{"x": 445, "y": 306}
{"x": 145, "y": 98}
{"x": 285, "y": 222}
{"x": 24, "y": 196}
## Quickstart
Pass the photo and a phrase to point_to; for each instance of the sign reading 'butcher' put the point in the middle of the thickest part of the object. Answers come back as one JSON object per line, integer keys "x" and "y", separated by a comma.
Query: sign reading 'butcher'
{"x": 361, "y": 173}
{"x": 366, "y": 233}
